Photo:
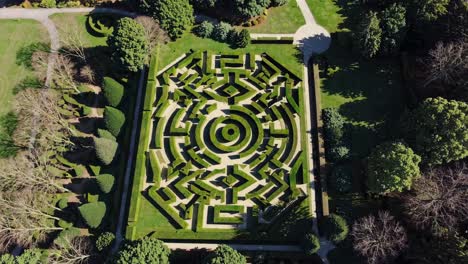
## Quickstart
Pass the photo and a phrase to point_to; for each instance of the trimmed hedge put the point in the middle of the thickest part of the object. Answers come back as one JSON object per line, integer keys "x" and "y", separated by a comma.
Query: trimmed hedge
{"x": 97, "y": 26}
{"x": 105, "y": 149}
{"x": 102, "y": 133}
{"x": 105, "y": 182}
{"x": 93, "y": 213}
{"x": 336, "y": 228}
{"x": 114, "y": 120}
{"x": 311, "y": 244}
{"x": 113, "y": 91}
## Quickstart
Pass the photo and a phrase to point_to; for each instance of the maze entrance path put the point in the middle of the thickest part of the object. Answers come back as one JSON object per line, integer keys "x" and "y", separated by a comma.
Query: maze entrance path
{"x": 221, "y": 147}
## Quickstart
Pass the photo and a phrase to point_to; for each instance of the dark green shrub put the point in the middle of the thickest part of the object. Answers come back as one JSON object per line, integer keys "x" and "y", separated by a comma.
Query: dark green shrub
{"x": 66, "y": 235}
{"x": 105, "y": 241}
{"x": 368, "y": 35}
{"x": 105, "y": 149}
{"x": 278, "y": 2}
{"x": 175, "y": 16}
{"x": 333, "y": 124}
{"x": 113, "y": 91}
{"x": 128, "y": 45}
{"x": 221, "y": 31}
{"x": 339, "y": 153}
{"x": 93, "y": 213}
{"x": 8, "y": 123}
{"x": 242, "y": 38}
{"x": 102, "y": 133}
{"x": 114, "y": 120}
{"x": 27, "y": 83}
{"x": 145, "y": 250}
{"x": 62, "y": 203}
{"x": 204, "y": 30}
{"x": 225, "y": 254}
{"x": 310, "y": 244}
{"x": 105, "y": 182}
{"x": 24, "y": 54}
{"x": 336, "y": 228}
{"x": 340, "y": 179}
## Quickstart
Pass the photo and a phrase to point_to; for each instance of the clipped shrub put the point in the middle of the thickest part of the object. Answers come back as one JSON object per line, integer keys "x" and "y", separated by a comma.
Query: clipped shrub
{"x": 278, "y": 2}
{"x": 225, "y": 254}
{"x": 242, "y": 38}
{"x": 339, "y": 153}
{"x": 113, "y": 91}
{"x": 105, "y": 182}
{"x": 66, "y": 235}
{"x": 340, "y": 179}
{"x": 336, "y": 228}
{"x": 105, "y": 241}
{"x": 333, "y": 124}
{"x": 221, "y": 31}
{"x": 62, "y": 203}
{"x": 204, "y": 30}
{"x": 145, "y": 250}
{"x": 93, "y": 213}
{"x": 48, "y": 3}
{"x": 310, "y": 244}
{"x": 105, "y": 149}
{"x": 102, "y": 133}
{"x": 114, "y": 120}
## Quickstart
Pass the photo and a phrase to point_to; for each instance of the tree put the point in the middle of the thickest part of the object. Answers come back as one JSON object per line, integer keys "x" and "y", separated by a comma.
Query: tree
{"x": 340, "y": 179}
{"x": 380, "y": 239}
{"x": 369, "y": 35}
{"x": 174, "y": 16}
{"x": 310, "y": 244}
{"x": 437, "y": 130}
{"x": 114, "y": 120}
{"x": 393, "y": 23}
{"x": 153, "y": 32}
{"x": 146, "y": 250}
{"x": 29, "y": 256}
{"x": 105, "y": 149}
{"x": 439, "y": 199}
{"x": 128, "y": 45}
{"x": 105, "y": 182}
{"x": 225, "y": 254}
{"x": 242, "y": 38}
{"x": 71, "y": 251}
{"x": 246, "y": 9}
{"x": 333, "y": 123}
{"x": 336, "y": 228}
{"x": 105, "y": 241}
{"x": 221, "y": 31}
{"x": 93, "y": 213}
{"x": 430, "y": 10}
{"x": 448, "y": 64}
{"x": 113, "y": 91}
{"x": 392, "y": 166}
{"x": 205, "y": 29}
{"x": 72, "y": 39}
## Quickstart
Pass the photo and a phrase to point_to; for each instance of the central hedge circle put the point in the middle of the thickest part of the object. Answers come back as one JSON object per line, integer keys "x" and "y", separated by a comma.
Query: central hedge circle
{"x": 229, "y": 134}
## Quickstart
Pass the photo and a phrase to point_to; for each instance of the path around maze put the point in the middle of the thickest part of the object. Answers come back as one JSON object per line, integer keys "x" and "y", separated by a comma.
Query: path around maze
{"x": 311, "y": 38}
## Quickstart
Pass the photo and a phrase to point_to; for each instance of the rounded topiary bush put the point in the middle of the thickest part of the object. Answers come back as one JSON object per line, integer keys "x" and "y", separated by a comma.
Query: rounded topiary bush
{"x": 113, "y": 91}
{"x": 114, "y": 120}
{"x": 93, "y": 213}
{"x": 62, "y": 203}
{"x": 105, "y": 182}
{"x": 105, "y": 149}
{"x": 310, "y": 244}
{"x": 105, "y": 241}
{"x": 225, "y": 254}
{"x": 102, "y": 133}
{"x": 335, "y": 228}
{"x": 242, "y": 38}
{"x": 221, "y": 31}
{"x": 145, "y": 250}
{"x": 340, "y": 179}
{"x": 204, "y": 30}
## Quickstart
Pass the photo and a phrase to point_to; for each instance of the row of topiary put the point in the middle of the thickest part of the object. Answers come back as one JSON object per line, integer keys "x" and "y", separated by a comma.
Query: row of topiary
{"x": 223, "y": 32}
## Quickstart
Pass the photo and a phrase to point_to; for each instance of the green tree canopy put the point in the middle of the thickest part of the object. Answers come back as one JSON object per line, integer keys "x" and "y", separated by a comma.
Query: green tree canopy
{"x": 146, "y": 250}
{"x": 246, "y": 9}
{"x": 174, "y": 16}
{"x": 336, "y": 228}
{"x": 105, "y": 182}
{"x": 114, "y": 120}
{"x": 393, "y": 23}
{"x": 391, "y": 167}
{"x": 128, "y": 45}
{"x": 93, "y": 213}
{"x": 369, "y": 35}
{"x": 225, "y": 254}
{"x": 105, "y": 149}
{"x": 113, "y": 91}
{"x": 437, "y": 130}
{"x": 430, "y": 10}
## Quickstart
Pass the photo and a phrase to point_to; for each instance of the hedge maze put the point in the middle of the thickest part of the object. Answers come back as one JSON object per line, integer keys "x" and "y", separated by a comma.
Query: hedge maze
{"x": 220, "y": 145}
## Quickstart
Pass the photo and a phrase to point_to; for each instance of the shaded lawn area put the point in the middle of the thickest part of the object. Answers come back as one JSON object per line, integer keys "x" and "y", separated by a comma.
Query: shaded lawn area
{"x": 283, "y": 19}
{"x": 14, "y": 35}
{"x": 65, "y": 21}
{"x": 336, "y": 15}
{"x": 286, "y": 54}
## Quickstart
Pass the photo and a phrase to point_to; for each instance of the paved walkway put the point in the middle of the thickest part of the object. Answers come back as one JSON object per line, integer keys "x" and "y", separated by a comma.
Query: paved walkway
{"x": 241, "y": 247}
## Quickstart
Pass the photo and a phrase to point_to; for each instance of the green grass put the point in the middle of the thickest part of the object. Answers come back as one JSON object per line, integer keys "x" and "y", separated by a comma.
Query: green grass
{"x": 328, "y": 14}
{"x": 283, "y": 19}
{"x": 288, "y": 55}
{"x": 15, "y": 34}
{"x": 67, "y": 21}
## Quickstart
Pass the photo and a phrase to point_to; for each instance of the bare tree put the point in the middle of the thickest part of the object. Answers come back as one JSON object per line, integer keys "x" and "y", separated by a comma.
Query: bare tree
{"x": 26, "y": 217}
{"x": 448, "y": 63}
{"x": 72, "y": 39}
{"x": 439, "y": 198}
{"x": 64, "y": 73}
{"x": 87, "y": 74}
{"x": 72, "y": 251}
{"x": 39, "y": 62}
{"x": 154, "y": 33}
{"x": 380, "y": 239}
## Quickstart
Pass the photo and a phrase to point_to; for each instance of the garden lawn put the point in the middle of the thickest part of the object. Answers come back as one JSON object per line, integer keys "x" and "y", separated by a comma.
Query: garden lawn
{"x": 283, "y": 19}
{"x": 15, "y": 34}
{"x": 288, "y": 55}
{"x": 67, "y": 21}
{"x": 328, "y": 14}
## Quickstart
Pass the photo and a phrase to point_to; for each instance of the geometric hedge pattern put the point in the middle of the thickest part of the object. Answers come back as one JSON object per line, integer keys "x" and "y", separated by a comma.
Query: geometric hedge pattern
{"x": 224, "y": 149}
